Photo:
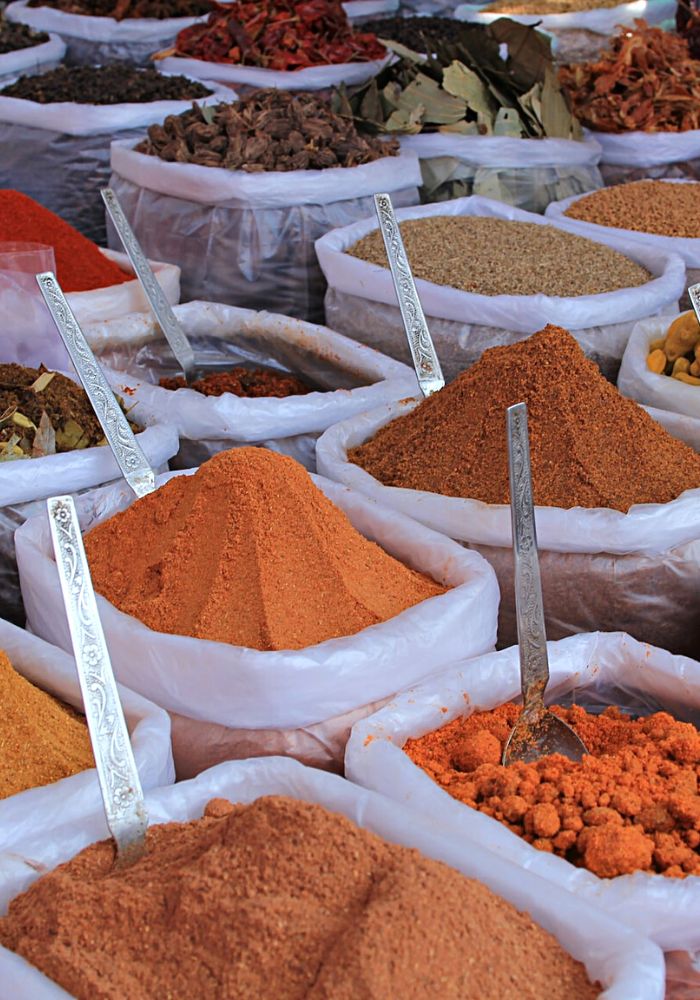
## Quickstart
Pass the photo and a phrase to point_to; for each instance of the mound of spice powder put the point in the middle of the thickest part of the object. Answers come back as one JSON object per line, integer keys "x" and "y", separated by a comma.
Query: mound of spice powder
{"x": 116, "y": 83}
{"x": 590, "y": 446}
{"x": 645, "y": 206}
{"x": 80, "y": 266}
{"x": 248, "y": 551}
{"x": 631, "y": 804}
{"x": 41, "y": 740}
{"x": 248, "y": 382}
{"x": 282, "y": 899}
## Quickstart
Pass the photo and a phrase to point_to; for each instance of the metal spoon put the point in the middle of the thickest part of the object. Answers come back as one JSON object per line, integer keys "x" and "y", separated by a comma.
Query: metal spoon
{"x": 122, "y": 795}
{"x": 538, "y": 732}
{"x": 694, "y": 296}
{"x": 420, "y": 343}
{"x": 120, "y": 437}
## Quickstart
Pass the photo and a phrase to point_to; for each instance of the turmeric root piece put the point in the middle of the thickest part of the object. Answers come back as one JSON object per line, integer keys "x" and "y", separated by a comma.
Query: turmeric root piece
{"x": 656, "y": 362}
{"x": 682, "y": 337}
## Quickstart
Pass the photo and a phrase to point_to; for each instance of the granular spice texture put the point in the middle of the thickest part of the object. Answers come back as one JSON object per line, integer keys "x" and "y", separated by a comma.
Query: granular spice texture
{"x": 248, "y": 551}
{"x": 281, "y": 899}
{"x": 41, "y": 740}
{"x": 590, "y": 446}
{"x": 240, "y": 381}
{"x": 499, "y": 257}
{"x": 645, "y": 206}
{"x": 632, "y": 804}
{"x": 546, "y": 6}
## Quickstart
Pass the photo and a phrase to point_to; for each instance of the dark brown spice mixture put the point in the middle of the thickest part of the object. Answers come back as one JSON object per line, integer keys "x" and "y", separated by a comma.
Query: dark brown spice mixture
{"x": 19, "y": 36}
{"x": 591, "y": 447}
{"x": 281, "y": 899}
{"x": 632, "y": 804}
{"x": 247, "y": 382}
{"x": 121, "y": 9}
{"x": 413, "y": 32}
{"x": 269, "y": 130}
{"x": 117, "y": 83}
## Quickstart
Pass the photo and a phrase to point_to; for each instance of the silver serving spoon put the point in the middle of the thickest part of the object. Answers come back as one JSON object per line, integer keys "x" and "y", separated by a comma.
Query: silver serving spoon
{"x": 420, "y": 343}
{"x": 122, "y": 795}
{"x": 694, "y": 296}
{"x": 120, "y": 437}
{"x": 538, "y": 732}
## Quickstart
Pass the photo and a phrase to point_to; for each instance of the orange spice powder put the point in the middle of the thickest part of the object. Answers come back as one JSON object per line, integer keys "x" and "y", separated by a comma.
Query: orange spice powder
{"x": 632, "y": 804}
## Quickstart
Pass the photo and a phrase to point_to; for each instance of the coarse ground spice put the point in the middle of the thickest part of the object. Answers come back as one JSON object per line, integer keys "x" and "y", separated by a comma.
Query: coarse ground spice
{"x": 282, "y": 899}
{"x": 590, "y": 446}
{"x": 247, "y": 382}
{"x": 413, "y": 32}
{"x": 499, "y": 257}
{"x": 19, "y": 36}
{"x": 117, "y": 83}
{"x": 80, "y": 266}
{"x": 248, "y": 551}
{"x": 546, "y": 6}
{"x": 644, "y": 206}
{"x": 631, "y": 804}
{"x": 41, "y": 740}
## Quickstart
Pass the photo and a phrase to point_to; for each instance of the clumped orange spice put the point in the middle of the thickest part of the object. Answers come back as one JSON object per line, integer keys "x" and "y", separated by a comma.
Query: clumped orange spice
{"x": 632, "y": 804}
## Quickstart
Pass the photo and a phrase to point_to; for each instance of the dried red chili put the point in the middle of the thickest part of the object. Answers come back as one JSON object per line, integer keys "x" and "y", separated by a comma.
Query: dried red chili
{"x": 279, "y": 35}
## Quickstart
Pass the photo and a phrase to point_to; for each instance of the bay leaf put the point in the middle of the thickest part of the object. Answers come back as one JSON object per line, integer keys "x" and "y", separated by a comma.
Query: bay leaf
{"x": 557, "y": 120}
{"x": 208, "y": 113}
{"x": 44, "y": 380}
{"x": 71, "y": 436}
{"x": 371, "y": 109}
{"x": 440, "y": 108}
{"x": 508, "y": 122}
{"x": 409, "y": 121}
{"x": 45, "y": 438}
{"x": 460, "y": 81}
{"x": 529, "y": 51}
{"x": 402, "y": 51}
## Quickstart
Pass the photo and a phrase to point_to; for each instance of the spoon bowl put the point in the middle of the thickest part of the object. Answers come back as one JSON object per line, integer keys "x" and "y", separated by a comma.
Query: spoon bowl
{"x": 539, "y": 734}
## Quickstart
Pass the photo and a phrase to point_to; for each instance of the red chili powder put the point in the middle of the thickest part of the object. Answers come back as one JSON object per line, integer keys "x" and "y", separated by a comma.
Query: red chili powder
{"x": 248, "y": 382}
{"x": 632, "y": 804}
{"x": 248, "y": 551}
{"x": 80, "y": 266}
{"x": 281, "y": 899}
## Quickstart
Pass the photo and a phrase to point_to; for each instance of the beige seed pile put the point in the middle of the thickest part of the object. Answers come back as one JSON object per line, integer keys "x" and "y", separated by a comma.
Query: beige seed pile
{"x": 498, "y": 257}
{"x": 644, "y": 206}
{"x": 546, "y": 6}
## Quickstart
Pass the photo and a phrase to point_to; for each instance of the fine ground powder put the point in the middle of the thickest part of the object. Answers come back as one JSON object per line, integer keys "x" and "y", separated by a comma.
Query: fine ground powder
{"x": 645, "y": 206}
{"x": 41, "y": 740}
{"x": 281, "y": 899}
{"x": 590, "y": 446}
{"x": 248, "y": 551}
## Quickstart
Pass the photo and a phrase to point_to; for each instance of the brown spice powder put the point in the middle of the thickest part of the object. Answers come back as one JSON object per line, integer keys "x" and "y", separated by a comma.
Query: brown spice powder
{"x": 590, "y": 446}
{"x": 248, "y": 551}
{"x": 632, "y": 804}
{"x": 251, "y": 383}
{"x": 546, "y": 6}
{"x": 644, "y": 206}
{"x": 41, "y": 740}
{"x": 499, "y": 257}
{"x": 281, "y": 899}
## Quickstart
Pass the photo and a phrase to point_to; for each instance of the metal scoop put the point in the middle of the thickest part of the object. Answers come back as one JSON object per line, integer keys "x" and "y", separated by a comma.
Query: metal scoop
{"x": 122, "y": 795}
{"x": 420, "y": 343}
{"x": 538, "y": 732}
{"x": 120, "y": 437}
{"x": 694, "y": 296}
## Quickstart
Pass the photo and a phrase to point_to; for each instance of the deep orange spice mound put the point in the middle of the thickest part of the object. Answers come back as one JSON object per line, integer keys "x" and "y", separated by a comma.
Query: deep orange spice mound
{"x": 632, "y": 804}
{"x": 248, "y": 551}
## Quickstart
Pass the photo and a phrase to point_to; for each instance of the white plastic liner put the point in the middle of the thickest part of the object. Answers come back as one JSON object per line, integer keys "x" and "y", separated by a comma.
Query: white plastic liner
{"x": 68, "y": 800}
{"x": 635, "y": 156}
{"x": 595, "y": 669}
{"x": 35, "y": 59}
{"x": 636, "y": 572}
{"x": 248, "y": 239}
{"x": 626, "y": 964}
{"x": 361, "y": 301}
{"x": 355, "y": 377}
{"x": 525, "y": 173}
{"x": 359, "y": 9}
{"x": 638, "y": 382}
{"x": 242, "y": 688}
{"x": 311, "y": 78}
{"x": 95, "y": 40}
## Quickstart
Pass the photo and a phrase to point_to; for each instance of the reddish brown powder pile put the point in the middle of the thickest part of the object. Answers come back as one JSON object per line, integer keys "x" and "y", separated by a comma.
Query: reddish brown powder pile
{"x": 591, "y": 447}
{"x": 248, "y": 551}
{"x": 631, "y": 804}
{"x": 281, "y": 899}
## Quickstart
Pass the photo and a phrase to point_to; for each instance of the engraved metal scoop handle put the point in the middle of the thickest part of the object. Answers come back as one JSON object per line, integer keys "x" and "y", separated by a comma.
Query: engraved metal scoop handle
{"x": 122, "y": 796}
{"x": 120, "y": 437}
{"x": 694, "y": 296}
{"x": 423, "y": 353}
{"x": 173, "y": 332}
{"x": 538, "y": 731}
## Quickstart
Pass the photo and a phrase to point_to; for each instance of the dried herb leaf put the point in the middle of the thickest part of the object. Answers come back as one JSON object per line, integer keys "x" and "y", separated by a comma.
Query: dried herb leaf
{"x": 45, "y": 438}
{"x": 460, "y": 81}
{"x": 508, "y": 123}
{"x": 71, "y": 437}
{"x": 24, "y": 422}
{"x": 43, "y": 381}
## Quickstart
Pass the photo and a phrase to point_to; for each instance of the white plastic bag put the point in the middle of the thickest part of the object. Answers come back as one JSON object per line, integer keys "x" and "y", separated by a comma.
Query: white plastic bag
{"x": 248, "y": 239}
{"x": 582, "y": 34}
{"x": 242, "y": 688}
{"x": 66, "y": 801}
{"x": 626, "y": 965}
{"x": 355, "y": 377}
{"x": 34, "y": 59}
{"x": 638, "y": 382}
{"x": 98, "y": 40}
{"x": 602, "y": 669}
{"x": 361, "y": 301}
{"x": 359, "y": 10}
{"x": 58, "y": 153}
{"x": 635, "y": 156}
{"x": 525, "y": 173}
{"x": 638, "y": 572}
{"x": 118, "y": 300}
{"x": 311, "y": 78}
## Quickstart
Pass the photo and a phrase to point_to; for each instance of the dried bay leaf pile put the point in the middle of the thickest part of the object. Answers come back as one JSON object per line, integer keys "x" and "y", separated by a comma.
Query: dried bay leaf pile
{"x": 496, "y": 79}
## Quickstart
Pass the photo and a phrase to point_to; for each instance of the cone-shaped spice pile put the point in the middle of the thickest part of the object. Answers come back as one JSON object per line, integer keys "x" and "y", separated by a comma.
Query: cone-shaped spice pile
{"x": 248, "y": 551}
{"x": 591, "y": 447}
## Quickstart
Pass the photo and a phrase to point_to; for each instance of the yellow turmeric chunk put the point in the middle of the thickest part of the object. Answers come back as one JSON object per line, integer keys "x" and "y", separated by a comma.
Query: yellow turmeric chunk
{"x": 690, "y": 379}
{"x": 681, "y": 365}
{"x": 656, "y": 362}
{"x": 683, "y": 334}
{"x": 657, "y": 345}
